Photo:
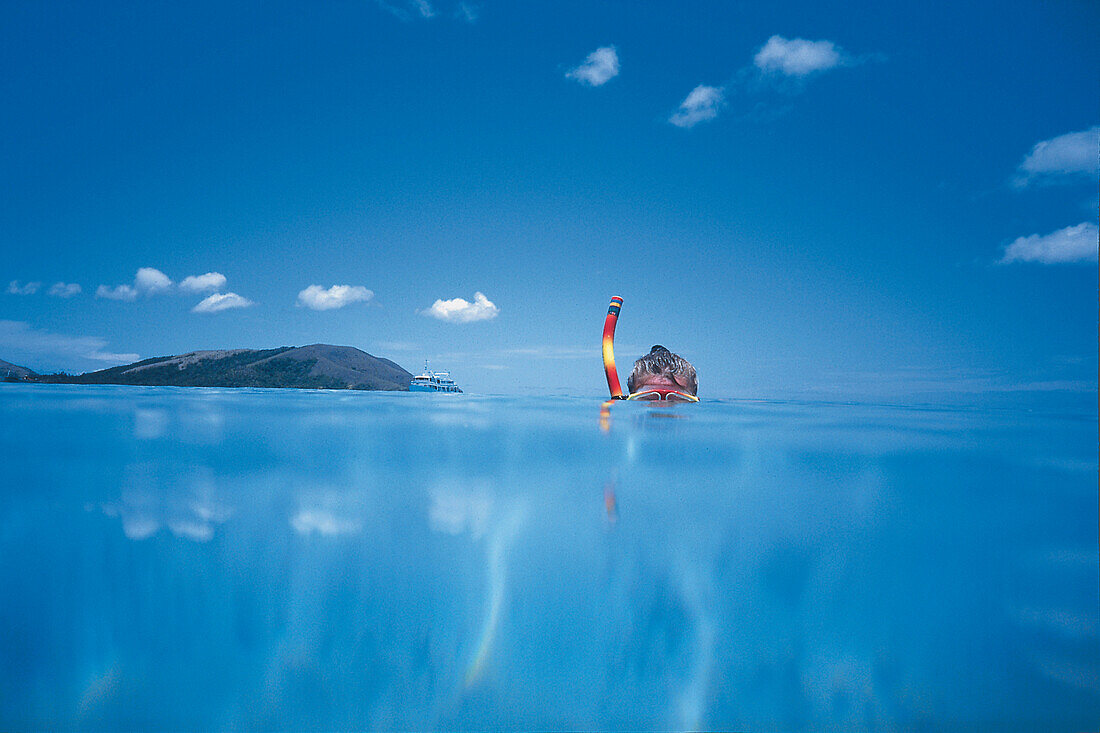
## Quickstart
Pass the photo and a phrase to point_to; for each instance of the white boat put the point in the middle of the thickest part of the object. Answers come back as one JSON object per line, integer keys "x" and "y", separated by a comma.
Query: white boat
{"x": 431, "y": 381}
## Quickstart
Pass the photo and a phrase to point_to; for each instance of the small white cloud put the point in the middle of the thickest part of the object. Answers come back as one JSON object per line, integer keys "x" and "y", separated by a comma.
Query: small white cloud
{"x": 1072, "y": 154}
{"x": 459, "y": 310}
{"x": 702, "y": 103}
{"x": 201, "y": 283}
{"x": 139, "y": 527}
{"x": 398, "y": 346}
{"x": 65, "y": 290}
{"x": 323, "y": 522}
{"x": 598, "y": 68}
{"x": 394, "y": 10}
{"x": 401, "y": 9}
{"x": 1072, "y": 244}
{"x": 797, "y": 56}
{"x": 410, "y": 10}
{"x": 322, "y": 299}
{"x": 150, "y": 280}
{"x": 221, "y": 302}
{"x": 14, "y": 288}
{"x": 467, "y": 12}
{"x": 121, "y": 292}
{"x": 555, "y": 352}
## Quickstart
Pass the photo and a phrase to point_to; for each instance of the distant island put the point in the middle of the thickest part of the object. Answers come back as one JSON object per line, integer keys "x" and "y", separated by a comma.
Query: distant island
{"x": 14, "y": 373}
{"x": 319, "y": 366}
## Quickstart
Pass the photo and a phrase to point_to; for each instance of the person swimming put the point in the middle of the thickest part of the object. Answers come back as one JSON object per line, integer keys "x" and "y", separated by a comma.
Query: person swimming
{"x": 659, "y": 375}
{"x": 663, "y": 375}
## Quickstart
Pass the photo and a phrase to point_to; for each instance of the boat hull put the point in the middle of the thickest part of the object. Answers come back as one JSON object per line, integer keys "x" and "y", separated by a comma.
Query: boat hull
{"x": 431, "y": 381}
{"x": 431, "y": 388}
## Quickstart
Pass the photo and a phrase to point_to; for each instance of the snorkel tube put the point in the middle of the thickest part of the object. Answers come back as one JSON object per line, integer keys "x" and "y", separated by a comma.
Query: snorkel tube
{"x": 609, "y": 348}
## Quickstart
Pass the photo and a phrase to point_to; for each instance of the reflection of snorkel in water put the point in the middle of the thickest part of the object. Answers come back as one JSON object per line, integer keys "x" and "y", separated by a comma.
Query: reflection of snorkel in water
{"x": 610, "y": 503}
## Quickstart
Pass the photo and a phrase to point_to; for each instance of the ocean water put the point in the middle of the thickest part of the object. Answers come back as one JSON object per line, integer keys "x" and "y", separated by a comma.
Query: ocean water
{"x": 205, "y": 559}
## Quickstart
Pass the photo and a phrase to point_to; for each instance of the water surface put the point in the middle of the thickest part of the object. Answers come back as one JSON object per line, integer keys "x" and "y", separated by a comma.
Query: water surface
{"x": 181, "y": 558}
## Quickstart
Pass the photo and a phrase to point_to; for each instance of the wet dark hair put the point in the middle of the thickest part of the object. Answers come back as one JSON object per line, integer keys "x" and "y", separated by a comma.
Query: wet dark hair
{"x": 662, "y": 362}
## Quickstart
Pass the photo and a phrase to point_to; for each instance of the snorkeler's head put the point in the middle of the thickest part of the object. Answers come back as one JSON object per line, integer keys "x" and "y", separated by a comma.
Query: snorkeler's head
{"x": 660, "y": 368}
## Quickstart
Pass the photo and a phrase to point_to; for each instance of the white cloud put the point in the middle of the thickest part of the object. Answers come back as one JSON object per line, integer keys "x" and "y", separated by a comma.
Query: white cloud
{"x": 398, "y": 346}
{"x": 408, "y": 10}
{"x": 702, "y": 103}
{"x": 14, "y": 288}
{"x": 467, "y": 12}
{"x": 323, "y": 522}
{"x": 1074, "y": 153}
{"x": 797, "y": 56}
{"x": 321, "y": 299}
{"x": 147, "y": 280}
{"x": 394, "y": 10}
{"x": 1072, "y": 244}
{"x": 18, "y": 336}
{"x": 121, "y": 292}
{"x": 150, "y": 280}
{"x": 65, "y": 290}
{"x": 200, "y": 283}
{"x": 139, "y": 527}
{"x": 555, "y": 352}
{"x": 221, "y": 302}
{"x": 598, "y": 68}
{"x": 459, "y": 310}
{"x": 194, "y": 531}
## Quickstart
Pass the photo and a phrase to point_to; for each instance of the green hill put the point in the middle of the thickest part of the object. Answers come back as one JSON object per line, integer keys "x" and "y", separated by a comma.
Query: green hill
{"x": 319, "y": 366}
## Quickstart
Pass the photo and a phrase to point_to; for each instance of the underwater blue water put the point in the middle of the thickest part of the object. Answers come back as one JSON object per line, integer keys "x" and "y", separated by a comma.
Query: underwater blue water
{"x": 205, "y": 559}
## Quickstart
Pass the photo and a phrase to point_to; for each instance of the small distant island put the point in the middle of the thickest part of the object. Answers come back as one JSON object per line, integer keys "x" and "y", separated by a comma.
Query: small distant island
{"x": 14, "y": 373}
{"x": 318, "y": 366}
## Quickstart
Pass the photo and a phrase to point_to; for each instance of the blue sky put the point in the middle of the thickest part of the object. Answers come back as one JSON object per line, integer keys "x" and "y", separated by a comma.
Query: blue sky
{"x": 873, "y": 200}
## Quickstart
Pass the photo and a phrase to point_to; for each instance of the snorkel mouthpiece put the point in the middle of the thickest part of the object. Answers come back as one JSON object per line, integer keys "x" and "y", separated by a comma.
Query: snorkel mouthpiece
{"x": 609, "y": 347}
